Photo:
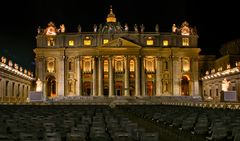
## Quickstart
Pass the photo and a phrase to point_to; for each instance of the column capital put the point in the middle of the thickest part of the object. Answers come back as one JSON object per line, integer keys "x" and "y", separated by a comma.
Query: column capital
{"x": 175, "y": 58}
{"x": 159, "y": 58}
{"x": 194, "y": 58}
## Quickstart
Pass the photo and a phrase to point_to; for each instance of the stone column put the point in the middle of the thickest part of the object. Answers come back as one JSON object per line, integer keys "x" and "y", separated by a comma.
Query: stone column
{"x": 137, "y": 76}
{"x": 100, "y": 76}
{"x": 143, "y": 77}
{"x": 194, "y": 67}
{"x": 3, "y": 84}
{"x": 61, "y": 76}
{"x": 110, "y": 74}
{"x": 1, "y": 88}
{"x": 94, "y": 76}
{"x": 175, "y": 76}
{"x": 79, "y": 76}
{"x": 158, "y": 76}
{"x": 126, "y": 76}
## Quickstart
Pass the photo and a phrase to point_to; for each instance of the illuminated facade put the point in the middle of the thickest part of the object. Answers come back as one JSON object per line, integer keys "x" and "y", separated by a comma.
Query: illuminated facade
{"x": 15, "y": 82}
{"x": 114, "y": 61}
{"x": 222, "y": 74}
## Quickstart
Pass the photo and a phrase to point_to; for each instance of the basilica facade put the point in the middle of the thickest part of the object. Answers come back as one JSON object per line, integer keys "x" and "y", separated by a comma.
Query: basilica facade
{"x": 114, "y": 60}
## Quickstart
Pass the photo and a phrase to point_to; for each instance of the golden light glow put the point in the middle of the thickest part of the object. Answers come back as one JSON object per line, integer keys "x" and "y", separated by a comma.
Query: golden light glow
{"x": 105, "y": 66}
{"x": 51, "y": 42}
{"x": 185, "y": 41}
{"x": 87, "y": 41}
{"x": 186, "y": 64}
{"x": 105, "y": 41}
{"x": 149, "y": 42}
{"x": 131, "y": 66}
{"x": 71, "y": 43}
{"x": 165, "y": 42}
{"x": 111, "y": 16}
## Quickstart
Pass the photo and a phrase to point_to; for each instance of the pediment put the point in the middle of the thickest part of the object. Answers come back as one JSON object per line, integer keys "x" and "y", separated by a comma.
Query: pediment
{"x": 120, "y": 43}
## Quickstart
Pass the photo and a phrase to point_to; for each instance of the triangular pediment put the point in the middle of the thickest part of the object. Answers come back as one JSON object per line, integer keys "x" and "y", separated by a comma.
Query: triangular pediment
{"x": 120, "y": 43}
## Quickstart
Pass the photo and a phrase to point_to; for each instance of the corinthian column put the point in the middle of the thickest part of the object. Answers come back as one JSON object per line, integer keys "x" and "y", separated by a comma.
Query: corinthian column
{"x": 143, "y": 81}
{"x": 110, "y": 73}
{"x": 94, "y": 77}
{"x": 137, "y": 76}
{"x": 79, "y": 75}
{"x": 126, "y": 76}
{"x": 175, "y": 75}
{"x": 61, "y": 76}
{"x": 158, "y": 76}
{"x": 194, "y": 66}
{"x": 100, "y": 76}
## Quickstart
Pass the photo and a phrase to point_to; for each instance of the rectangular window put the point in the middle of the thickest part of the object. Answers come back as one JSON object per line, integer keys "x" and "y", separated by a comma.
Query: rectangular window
{"x": 165, "y": 42}
{"x": 105, "y": 41}
{"x": 51, "y": 42}
{"x": 185, "y": 41}
{"x": 149, "y": 42}
{"x": 71, "y": 43}
{"x": 87, "y": 42}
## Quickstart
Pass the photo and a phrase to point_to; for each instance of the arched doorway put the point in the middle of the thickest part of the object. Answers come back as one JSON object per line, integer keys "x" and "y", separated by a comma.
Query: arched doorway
{"x": 51, "y": 86}
{"x": 87, "y": 88}
{"x": 118, "y": 88}
{"x": 149, "y": 88}
{"x": 185, "y": 86}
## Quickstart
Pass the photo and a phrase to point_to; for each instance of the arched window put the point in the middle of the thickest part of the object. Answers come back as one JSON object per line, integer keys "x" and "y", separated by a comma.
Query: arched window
{"x": 105, "y": 65}
{"x": 131, "y": 66}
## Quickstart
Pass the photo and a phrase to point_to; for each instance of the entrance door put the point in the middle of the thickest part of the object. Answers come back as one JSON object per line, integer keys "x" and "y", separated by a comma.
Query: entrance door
{"x": 119, "y": 87}
{"x": 185, "y": 86}
{"x": 149, "y": 88}
{"x": 87, "y": 88}
{"x": 51, "y": 86}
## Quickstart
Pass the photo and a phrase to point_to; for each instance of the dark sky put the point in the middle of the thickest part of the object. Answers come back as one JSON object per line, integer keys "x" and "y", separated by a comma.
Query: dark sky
{"x": 216, "y": 22}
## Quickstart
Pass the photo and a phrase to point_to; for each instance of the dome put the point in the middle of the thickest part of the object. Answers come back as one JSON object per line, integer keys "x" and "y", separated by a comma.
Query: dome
{"x": 111, "y": 16}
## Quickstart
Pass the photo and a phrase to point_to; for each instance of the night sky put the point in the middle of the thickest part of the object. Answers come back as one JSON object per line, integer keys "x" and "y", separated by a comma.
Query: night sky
{"x": 216, "y": 22}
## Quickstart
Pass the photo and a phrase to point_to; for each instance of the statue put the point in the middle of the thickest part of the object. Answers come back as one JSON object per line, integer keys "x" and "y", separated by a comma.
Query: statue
{"x": 174, "y": 28}
{"x": 125, "y": 27}
{"x": 157, "y": 28}
{"x": 135, "y": 28}
{"x": 185, "y": 30}
{"x": 95, "y": 28}
{"x": 142, "y": 27}
{"x": 38, "y": 85}
{"x": 39, "y": 30}
{"x": 62, "y": 28}
{"x": 100, "y": 28}
{"x": 3, "y": 60}
{"x": 225, "y": 84}
{"x": 79, "y": 28}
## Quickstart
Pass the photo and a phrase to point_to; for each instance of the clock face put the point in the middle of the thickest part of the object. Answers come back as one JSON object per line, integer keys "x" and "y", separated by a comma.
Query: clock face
{"x": 51, "y": 31}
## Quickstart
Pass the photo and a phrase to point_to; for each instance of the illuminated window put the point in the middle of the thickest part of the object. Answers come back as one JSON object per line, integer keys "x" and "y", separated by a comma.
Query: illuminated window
{"x": 131, "y": 66}
{"x": 185, "y": 64}
{"x": 149, "y": 41}
{"x": 149, "y": 66}
{"x": 105, "y": 65}
{"x": 105, "y": 41}
{"x": 71, "y": 43}
{"x": 87, "y": 66}
{"x": 165, "y": 42}
{"x": 185, "y": 41}
{"x": 50, "y": 65}
{"x": 118, "y": 66}
{"x": 51, "y": 42}
{"x": 87, "y": 41}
